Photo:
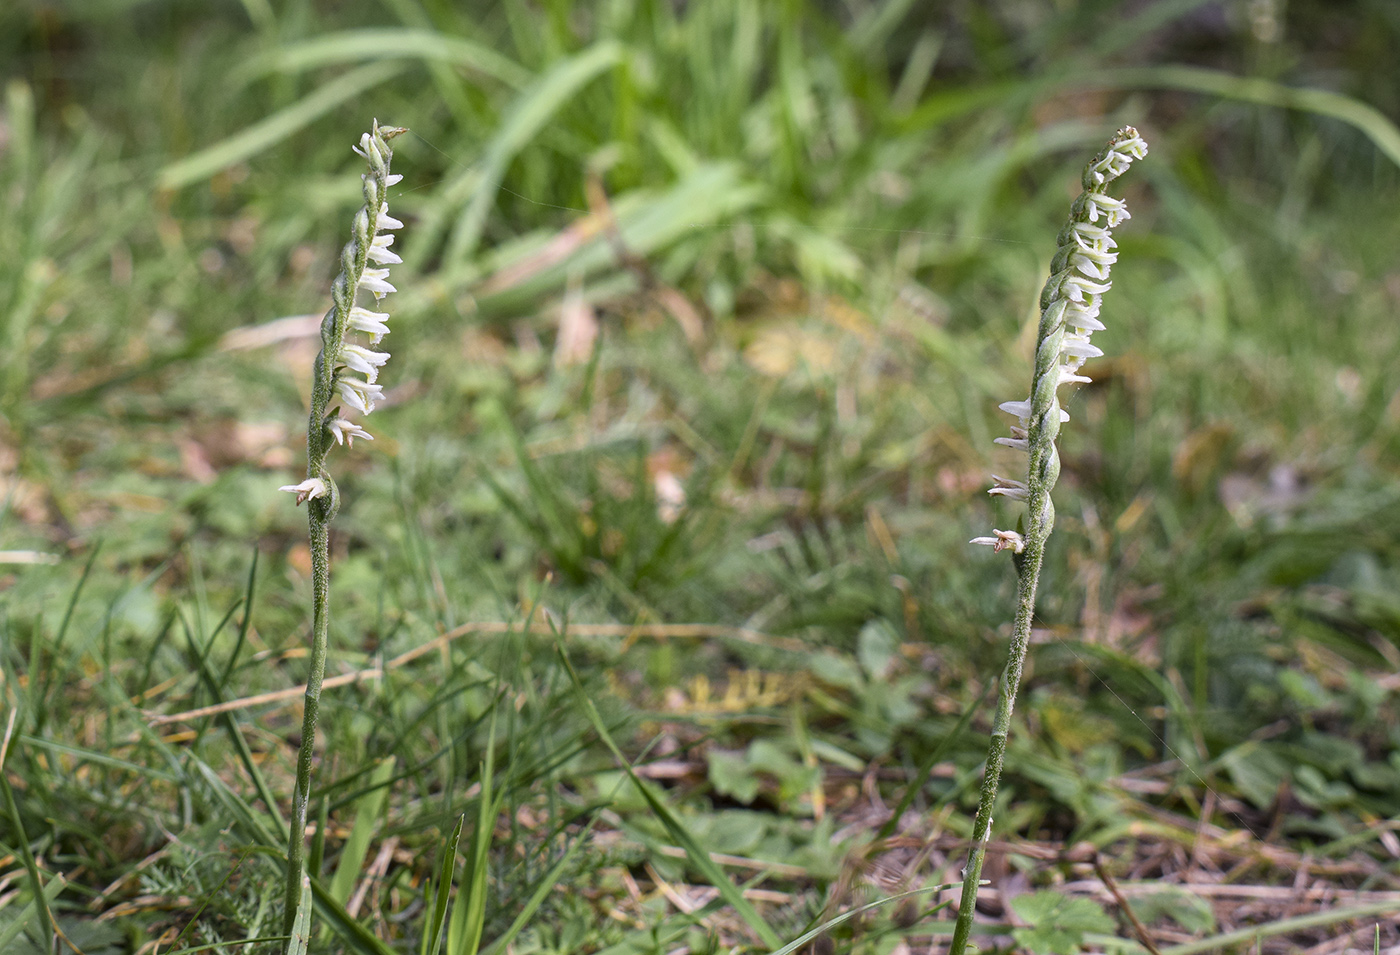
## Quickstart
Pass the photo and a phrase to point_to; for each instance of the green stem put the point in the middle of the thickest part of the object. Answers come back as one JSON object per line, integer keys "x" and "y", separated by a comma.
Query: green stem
{"x": 1001, "y": 727}
{"x": 320, "y": 639}
{"x": 1078, "y": 276}
{"x": 322, "y": 507}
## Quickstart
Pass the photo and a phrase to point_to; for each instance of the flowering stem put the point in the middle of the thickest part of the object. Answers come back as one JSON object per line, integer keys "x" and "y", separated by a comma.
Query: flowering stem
{"x": 320, "y": 639}
{"x": 1001, "y": 728}
{"x": 1069, "y": 314}
{"x": 319, "y": 490}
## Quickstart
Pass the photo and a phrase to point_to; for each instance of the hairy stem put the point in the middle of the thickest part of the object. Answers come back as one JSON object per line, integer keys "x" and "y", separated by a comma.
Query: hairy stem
{"x": 1069, "y": 314}
{"x": 1001, "y": 728}
{"x": 320, "y": 639}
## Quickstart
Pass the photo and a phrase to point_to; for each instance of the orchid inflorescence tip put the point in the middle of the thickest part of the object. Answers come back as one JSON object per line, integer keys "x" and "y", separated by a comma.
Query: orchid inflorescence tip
{"x": 349, "y": 370}
{"x": 1070, "y": 306}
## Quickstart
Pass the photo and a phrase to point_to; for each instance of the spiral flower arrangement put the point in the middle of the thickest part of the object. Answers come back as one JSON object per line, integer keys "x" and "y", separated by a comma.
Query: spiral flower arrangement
{"x": 1069, "y": 315}
{"x": 349, "y": 370}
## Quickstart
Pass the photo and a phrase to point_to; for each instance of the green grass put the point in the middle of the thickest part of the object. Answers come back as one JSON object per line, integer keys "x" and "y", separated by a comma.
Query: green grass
{"x": 858, "y": 204}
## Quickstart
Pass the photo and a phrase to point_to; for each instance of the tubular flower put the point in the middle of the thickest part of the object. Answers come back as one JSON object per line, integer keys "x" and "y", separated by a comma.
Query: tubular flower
{"x": 1002, "y": 540}
{"x": 360, "y": 395}
{"x": 371, "y": 323}
{"x": 346, "y": 432}
{"x": 1069, "y": 315}
{"x": 307, "y": 490}
{"x": 365, "y": 263}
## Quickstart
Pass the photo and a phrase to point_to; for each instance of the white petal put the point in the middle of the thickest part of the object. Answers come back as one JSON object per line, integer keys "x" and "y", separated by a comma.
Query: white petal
{"x": 1093, "y": 235}
{"x": 1077, "y": 285}
{"x": 1078, "y": 316}
{"x": 1108, "y": 205}
{"x": 385, "y": 220}
{"x": 361, "y": 359}
{"x": 363, "y": 320}
{"x": 1081, "y": 349}
{"x": 1088, "y": 267}
{"x": 307, "y": 490}
{"x": 393, "y": 180}
{"x": 1003, "y": 540}
{"x": 385, "y": 256}
{"x": 360, "y": 395}
{"x": 346, "y": 432}
{"x": 373, "y": 281}
{"x": 1021, "y": 409}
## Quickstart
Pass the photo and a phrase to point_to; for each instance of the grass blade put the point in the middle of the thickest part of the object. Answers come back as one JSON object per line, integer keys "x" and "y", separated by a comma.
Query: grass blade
{"x": 367, "y": 809}
{"x": 351, "y": 46}
{"x": 547, "y": 884}
{"x": 694, "y": 852}
{"x": 468, "y": 920}
{"x": 807, "y": 936}
{"x": 1374, "y": 124}
{"x": 1249, "y": 935}
{"x": 523, "y": 121}
{"x": 356, "y": 937}
{"x": 36, "y": 884}
{"x": 277, "y": 127}
{"x": 11, "y": 931}
{"x": 432, "y": 934}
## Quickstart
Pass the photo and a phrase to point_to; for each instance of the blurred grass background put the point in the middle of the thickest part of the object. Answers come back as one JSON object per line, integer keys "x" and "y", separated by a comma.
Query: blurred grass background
{"x": 705, "y": 314}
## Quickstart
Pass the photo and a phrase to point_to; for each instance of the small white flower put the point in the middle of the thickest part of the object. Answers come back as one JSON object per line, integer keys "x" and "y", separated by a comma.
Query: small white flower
{"x": 1018, "y": 440}
{"x": 1070, "y": 373}
{"x": 1077, "y": 286}
{"x": 1118, "y": 159}
{"x": 379, "y": 251}
{"x": 1093, "y": 236}
{"x": 360, "y": 395}
{"x": 361, "y": 359}
{"x": 346, "y": 432}
{"x": 363, "y": 320}
{"x": 369, "y": 150}
{"x": 373, "y": 281}
{"x": 1114, "y": 210}
{"x": 393, "y": 180}
{"x": 1006, "y": 487}
{"x": 385, "y": 220}
{"x": 1022, "y": 410}
{"x": 1134, "y": 146}
{"x": 1004, "y": 540}
{"x": 1085, "y": 316}
{"x": 307, "y": 490}
{"x": 1092, "y": 262}
{"x": 1080, "y": 348}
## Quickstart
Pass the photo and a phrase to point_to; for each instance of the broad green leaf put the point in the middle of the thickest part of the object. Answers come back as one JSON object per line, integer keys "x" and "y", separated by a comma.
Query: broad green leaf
{"x": 1256, "y": 771}
{"x": 1058, "y": 922}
